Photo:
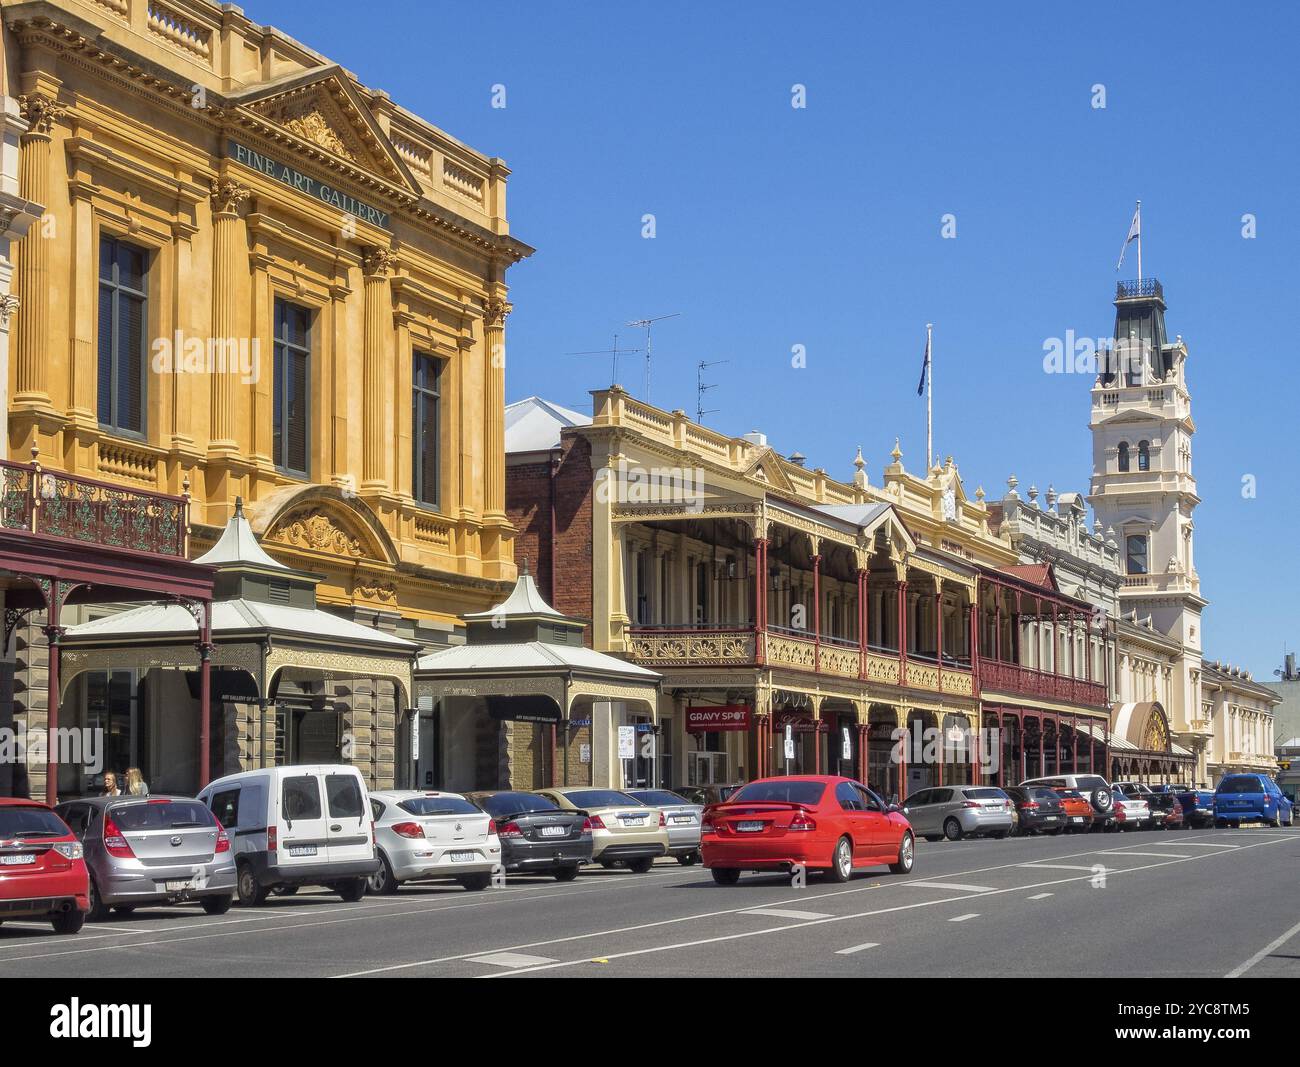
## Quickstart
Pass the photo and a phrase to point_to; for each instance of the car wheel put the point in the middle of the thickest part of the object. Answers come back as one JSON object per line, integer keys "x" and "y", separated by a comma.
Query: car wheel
{"x": 952, "y": 830}
{"x": 124, "y": 909}
{"x": 382, "y": 882}
{"x": 476, "y": 882}
{"x": 285, "y": 890}
{"x": 1000, "y": 835}
{"x": 566, "y": 874}
{"x": 98, "y": 909}
{"x": 906, "y": 855}
{"x": 689, "y": 859}
{"x": 1102, "y": 800}
{"x": 934, "y": 837}
{"x": 351, "y": 890}
{"x": 217, "y": 905}
{"x": 642, "y": 865}
{"x": 841, "y": 868}
{"x": 725, "y": 875}
{"x": 251, "y": 892}
{"x": 1277, "y": 819}
{"x": 69, "y": 922}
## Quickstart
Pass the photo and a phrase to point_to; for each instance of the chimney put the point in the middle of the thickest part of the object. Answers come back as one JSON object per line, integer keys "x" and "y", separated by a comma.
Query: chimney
{"x": 756, "y": 438}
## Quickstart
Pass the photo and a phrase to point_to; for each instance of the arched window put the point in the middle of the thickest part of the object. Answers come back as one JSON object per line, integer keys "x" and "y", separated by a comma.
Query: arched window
{"x": 1123, "y": 455}
{"x": 1144, "y": 455}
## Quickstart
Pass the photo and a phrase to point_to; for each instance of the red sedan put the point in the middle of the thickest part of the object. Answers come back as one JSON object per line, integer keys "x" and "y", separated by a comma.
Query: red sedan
{"x": 42, "y": 867}
{"x": 818, "y": 822}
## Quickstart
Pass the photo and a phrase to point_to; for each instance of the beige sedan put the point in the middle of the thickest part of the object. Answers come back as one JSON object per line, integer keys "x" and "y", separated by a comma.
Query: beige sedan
{"x": 624, "y": 832}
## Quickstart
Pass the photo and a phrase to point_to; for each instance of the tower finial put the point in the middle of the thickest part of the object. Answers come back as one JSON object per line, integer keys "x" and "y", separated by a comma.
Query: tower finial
{"x": 239, "y": 507}
{"x": 524, "y": 572}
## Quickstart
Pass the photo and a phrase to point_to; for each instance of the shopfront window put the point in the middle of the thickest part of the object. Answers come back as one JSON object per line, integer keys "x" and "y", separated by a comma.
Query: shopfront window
{"x": 113, "y": 710}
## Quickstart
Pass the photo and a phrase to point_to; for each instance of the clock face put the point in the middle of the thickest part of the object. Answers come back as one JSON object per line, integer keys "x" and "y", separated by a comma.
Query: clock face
{"x": 949, "y": 504}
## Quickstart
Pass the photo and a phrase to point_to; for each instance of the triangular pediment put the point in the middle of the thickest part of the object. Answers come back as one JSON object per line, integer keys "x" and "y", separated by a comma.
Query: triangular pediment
{"x": 322, "y": 108}
{"x": 766, "y": 468}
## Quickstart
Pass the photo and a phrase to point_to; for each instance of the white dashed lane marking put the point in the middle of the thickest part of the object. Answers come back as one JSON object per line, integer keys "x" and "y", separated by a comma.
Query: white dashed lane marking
{"x": 786, "y": 913}
{"x": 856, "y": 948}
{"x": 511, "y": 959}
{"x": 954, "y": 885}
{"x": 963, "y": 918}
{"x": 1040, "y": 896}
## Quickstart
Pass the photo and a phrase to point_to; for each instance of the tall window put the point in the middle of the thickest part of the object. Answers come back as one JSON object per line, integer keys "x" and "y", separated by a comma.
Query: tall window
{"x": 1137, "y": 553}
{"x": 1144, "y": 455}
{"x": 122, "y": 269}
{"x": 289, "y": 419}
{"x": 426, "y": 374}
{"x": 1123, "y": 456}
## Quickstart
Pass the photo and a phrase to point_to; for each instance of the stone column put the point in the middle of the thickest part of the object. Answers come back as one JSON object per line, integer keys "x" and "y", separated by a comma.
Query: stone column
{"x": 495, "y": 311}
{"x": 41, "y": 113}
{"x": 227, "y": 262}
{"x": 376, "y": 265}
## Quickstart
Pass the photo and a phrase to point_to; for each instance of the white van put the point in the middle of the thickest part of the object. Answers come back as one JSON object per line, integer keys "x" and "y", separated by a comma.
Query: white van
{"x": 293, "y": 826}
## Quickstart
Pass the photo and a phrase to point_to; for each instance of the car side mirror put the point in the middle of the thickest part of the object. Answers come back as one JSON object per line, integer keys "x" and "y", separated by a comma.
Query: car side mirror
{"x": 895, "y": 807}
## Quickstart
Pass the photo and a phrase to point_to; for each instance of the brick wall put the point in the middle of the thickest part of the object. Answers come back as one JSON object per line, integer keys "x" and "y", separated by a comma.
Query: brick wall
{"x": 528, "y": 505}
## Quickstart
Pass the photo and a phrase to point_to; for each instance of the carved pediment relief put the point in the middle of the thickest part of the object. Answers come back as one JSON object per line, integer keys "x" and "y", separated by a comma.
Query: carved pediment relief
{"x": 323, "y": 108}
{"x": 314, "y": 529}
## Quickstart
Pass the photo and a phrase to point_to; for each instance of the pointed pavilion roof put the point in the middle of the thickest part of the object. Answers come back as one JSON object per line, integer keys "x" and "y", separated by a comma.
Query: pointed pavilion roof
{"x": 238, "y": 545}
{"x": 524, "y": 602}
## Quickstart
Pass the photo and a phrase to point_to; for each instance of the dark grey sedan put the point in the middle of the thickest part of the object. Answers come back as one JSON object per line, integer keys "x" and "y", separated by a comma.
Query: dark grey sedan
{"x": 152, "y": 850}
{"x": 537, "y": 836}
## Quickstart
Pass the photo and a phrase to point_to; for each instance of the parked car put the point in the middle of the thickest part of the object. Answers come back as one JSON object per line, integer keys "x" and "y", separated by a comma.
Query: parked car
{"x": 537, "y": 836}
{"x": 1092, "y": 787}
{"x": 1131, "y": 812}
{"x": 1250, "y": 797}
{"x": 296, "y": 826}
{"x": 955, "y": 811}
{"x": 704, "y": 795}
{"x": 1038, "y": 808}
{"x": 1132, "y": 789}
{"x": 1076, "y": 812}
{"x": 682, "y": 819}
{"x": 42, "y": 869}
{"x": 152, "y": 850}
{"x": 422, "y": 835}
{"x": 1198, "y": 807}
{"x": 624, "y": 832}
{"x": 820, "y": 822}
{"x": 1166, "y": 811}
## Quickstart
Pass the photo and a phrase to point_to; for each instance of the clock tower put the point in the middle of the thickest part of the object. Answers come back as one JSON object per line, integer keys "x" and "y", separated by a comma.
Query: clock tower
{"x": 1143, "y": 492}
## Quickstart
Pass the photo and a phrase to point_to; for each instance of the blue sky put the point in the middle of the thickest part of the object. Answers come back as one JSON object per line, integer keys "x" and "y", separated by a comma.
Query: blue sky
{"x": 821, "y": 226}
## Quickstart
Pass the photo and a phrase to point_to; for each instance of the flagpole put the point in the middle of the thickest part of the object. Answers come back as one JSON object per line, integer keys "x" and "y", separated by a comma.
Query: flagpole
{"x": 929, "y": 401}
{"x": 1139, "y": 218}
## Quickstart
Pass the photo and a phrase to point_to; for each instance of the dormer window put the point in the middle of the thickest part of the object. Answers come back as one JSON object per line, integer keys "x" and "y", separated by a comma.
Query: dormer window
{"x": 1123, "y": 456}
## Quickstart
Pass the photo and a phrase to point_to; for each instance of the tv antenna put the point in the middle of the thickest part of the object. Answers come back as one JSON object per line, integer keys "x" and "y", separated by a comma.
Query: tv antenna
{"x": 615, "y": 352}
{"x": 701, "y": 387}
{"x": 646, "y": 324}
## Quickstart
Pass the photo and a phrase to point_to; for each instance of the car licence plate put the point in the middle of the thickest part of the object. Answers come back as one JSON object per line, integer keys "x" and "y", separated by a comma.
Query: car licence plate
{"x": 302, "y": 850}
{"x": 554, "y": 831}
{"x": 1077, "y": 818}
{"x": 682, "y": 818}
{"x": 462, "y": 857}
{"x": 749, "y": 827}
{"x": 633, "y": 820}
{"x": 19, "y": 860}
{"x": 178, "y": 887}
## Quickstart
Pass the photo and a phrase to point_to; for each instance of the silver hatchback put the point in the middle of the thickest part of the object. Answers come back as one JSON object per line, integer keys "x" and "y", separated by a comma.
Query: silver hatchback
{"x": 956, "y": 811}
{"x": 152, "y": 850}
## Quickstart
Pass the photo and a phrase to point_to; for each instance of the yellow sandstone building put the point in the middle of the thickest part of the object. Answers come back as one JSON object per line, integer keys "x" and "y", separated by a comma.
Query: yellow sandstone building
{"x": 256, "y": 278}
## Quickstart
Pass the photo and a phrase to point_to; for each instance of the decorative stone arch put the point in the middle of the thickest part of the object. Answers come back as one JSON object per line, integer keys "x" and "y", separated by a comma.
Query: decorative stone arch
{"x": 323, "y": 518}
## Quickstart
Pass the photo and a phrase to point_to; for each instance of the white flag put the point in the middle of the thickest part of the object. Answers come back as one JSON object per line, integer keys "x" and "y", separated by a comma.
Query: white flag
{"x": 1134, "y": 233}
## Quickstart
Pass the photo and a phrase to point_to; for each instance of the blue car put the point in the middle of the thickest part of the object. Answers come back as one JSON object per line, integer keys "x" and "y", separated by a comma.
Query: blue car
{"x": 1248, "y": 798}
{"x": 1198, "y": 807}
